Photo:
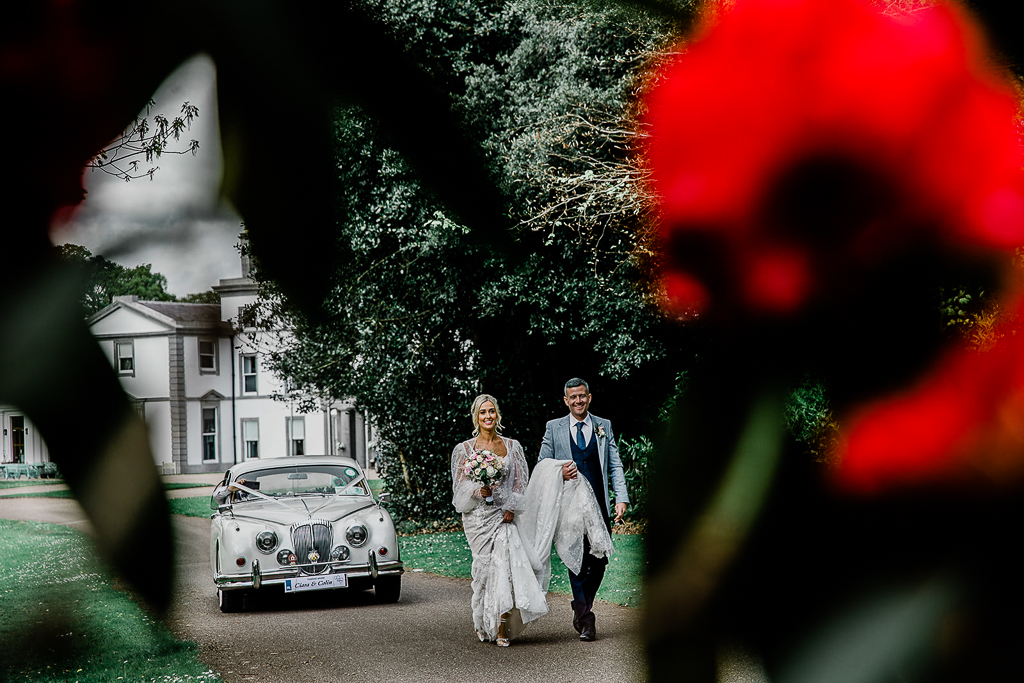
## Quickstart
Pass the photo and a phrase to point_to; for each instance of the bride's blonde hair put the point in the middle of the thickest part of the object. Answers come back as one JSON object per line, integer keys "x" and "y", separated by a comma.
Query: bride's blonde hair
{"x": 474, "y": 412}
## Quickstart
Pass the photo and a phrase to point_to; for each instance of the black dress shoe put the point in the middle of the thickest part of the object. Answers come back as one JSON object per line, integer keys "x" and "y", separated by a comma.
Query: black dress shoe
{"x": 575, "y": 617}
{"x": 588, "y": 629}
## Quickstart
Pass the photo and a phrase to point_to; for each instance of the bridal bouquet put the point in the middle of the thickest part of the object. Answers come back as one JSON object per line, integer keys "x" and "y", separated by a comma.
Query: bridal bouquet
{"x": 485, "y": 467}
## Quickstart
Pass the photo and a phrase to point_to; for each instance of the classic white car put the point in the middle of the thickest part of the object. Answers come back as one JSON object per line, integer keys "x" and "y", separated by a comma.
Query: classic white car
{"x": 303, "y": 523}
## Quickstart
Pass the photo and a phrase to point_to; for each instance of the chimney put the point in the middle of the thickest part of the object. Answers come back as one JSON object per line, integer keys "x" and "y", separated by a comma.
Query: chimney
{"x": 244, "y": 252}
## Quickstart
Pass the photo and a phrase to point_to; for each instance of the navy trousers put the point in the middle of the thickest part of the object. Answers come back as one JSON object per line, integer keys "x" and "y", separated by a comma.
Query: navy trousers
{"x": 585, "y": 584}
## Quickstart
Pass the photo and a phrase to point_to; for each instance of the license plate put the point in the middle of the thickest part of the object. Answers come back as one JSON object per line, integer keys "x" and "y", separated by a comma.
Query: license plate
{"x": 315, "y": 583}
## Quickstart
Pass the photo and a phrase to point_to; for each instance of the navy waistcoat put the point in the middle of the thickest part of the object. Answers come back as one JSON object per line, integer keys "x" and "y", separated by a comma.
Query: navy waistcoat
{"x": 589, "y": 465}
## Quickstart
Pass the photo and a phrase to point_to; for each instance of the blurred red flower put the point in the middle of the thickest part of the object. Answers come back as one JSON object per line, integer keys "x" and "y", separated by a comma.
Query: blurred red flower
{"x": 962, "y": 423}
{"x": 795, "y": 144}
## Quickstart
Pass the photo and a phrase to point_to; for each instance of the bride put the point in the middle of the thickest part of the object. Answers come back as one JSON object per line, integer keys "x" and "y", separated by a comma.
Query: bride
{"x": 507, "y": 592}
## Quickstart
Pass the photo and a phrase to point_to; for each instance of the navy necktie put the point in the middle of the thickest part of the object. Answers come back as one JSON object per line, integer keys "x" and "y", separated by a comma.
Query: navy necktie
{"x": 580, "y": 441}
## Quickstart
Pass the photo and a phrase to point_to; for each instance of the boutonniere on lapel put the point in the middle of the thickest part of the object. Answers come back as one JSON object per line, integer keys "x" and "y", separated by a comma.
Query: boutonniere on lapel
{"x": 600, "y": 432}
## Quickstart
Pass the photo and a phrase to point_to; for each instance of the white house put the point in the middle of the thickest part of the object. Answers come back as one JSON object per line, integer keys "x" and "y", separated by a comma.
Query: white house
{"x": 198, "y": 380}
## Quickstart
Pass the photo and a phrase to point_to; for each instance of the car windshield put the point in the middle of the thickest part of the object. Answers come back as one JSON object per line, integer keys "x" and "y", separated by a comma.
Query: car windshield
{"x": 306, "y": 480}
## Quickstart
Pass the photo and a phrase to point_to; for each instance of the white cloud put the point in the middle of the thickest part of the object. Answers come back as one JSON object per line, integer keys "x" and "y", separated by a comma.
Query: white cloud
{"x": 176, "y": 221}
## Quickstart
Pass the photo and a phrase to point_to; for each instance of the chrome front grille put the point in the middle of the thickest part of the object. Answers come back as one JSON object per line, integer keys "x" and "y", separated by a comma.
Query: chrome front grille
{"x": 311, "y": 537}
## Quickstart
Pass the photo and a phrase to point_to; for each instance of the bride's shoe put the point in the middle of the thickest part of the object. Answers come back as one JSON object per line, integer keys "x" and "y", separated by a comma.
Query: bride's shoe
{"x": 502, "y": 641}
{"x": 482, "y": 636}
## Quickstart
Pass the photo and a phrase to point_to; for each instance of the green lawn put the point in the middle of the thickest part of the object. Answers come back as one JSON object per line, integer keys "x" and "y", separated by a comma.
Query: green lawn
{"x": 62, "y": 620}
{"x": 198, "y": 506}
{"x": 64, "y": 493}
{"x": 172, "y": 485}
{"x": 16, "y": 483}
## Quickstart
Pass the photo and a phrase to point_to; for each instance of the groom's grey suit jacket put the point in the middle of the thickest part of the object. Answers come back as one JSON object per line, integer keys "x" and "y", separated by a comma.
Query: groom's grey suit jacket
{"x": 556, "y": 445}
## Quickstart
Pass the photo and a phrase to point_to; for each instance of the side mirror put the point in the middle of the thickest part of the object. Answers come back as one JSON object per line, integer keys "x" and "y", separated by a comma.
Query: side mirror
{"x": 381, "y": 499}
{"x": 214, "y": 505}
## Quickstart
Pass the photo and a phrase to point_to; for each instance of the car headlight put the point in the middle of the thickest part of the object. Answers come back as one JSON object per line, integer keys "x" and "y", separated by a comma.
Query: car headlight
{"x": 266, "y": 541}
{"x": 340, "y": 553}
{"x": 356, "y": 535}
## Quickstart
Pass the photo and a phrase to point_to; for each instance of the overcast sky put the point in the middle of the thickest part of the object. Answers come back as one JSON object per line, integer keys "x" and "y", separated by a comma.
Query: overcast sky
{"x": 176, "y": 222}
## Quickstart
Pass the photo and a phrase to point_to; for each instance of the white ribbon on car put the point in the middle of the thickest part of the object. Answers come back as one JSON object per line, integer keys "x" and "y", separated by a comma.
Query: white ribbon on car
{"x": 258, "y": 494}
{"x": 340, "y": 492}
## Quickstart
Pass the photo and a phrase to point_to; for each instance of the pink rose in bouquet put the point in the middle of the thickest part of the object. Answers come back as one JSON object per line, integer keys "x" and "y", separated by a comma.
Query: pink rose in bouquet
{"x": 485, "y": 467}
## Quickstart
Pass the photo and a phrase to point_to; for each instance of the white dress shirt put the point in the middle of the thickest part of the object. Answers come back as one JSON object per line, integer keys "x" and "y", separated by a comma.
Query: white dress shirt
{"x": 588, "y": 428}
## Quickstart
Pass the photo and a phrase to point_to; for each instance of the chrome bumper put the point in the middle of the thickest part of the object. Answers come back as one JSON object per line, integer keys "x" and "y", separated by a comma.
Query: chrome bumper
{"x": 260, "y": 577}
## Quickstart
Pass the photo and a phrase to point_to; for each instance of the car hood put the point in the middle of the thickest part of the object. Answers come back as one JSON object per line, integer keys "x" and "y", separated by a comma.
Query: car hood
{"x": 287, "y": 511}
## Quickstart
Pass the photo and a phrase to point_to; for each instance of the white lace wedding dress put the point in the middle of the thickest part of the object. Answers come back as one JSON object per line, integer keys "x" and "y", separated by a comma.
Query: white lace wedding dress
{"x": 559, "y": 511}
{"x": 506, "y": 570}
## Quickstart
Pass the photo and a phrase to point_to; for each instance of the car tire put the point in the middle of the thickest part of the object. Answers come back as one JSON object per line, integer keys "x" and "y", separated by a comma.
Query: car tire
{"x": 230, "y": 601}
{"x": 388, "y": 588}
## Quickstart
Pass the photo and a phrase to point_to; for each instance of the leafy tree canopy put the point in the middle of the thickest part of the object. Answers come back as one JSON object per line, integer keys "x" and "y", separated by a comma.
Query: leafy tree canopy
{"x": 207, "y": 297}
{"x": 104, "y": 279}
{"x": 421, "y": 317}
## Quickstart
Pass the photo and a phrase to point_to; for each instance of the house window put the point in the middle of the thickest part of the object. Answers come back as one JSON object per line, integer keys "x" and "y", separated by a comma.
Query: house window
{"x": 251, "y": 437}
{"x": 249, "y": 374}
{"x": 247, "y": 316}
{"x": 297, "y": 433}
{"x": 125, "y": 353}
{"x": 210, "y": 433}
{"x": 208, "y": 361}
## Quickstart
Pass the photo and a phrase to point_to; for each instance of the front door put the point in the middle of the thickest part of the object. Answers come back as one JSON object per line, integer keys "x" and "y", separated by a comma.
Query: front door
{"x": 18, "y": 439}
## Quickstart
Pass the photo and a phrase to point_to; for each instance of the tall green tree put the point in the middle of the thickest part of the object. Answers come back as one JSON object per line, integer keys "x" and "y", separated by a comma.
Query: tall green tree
{"x": 103, "y": 279}
{"x": 421, "y": 316}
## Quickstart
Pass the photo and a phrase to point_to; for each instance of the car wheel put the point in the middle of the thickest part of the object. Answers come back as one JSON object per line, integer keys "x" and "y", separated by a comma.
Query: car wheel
{"x": 388, "y": 588}
{"x": 230, "y": 601}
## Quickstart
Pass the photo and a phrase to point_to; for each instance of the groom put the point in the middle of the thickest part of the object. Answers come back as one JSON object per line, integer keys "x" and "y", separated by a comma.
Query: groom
{"x": 587, "y": 442}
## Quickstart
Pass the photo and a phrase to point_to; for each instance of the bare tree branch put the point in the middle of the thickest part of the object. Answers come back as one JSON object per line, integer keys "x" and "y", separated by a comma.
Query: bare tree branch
{"x": 119, "y": 158}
